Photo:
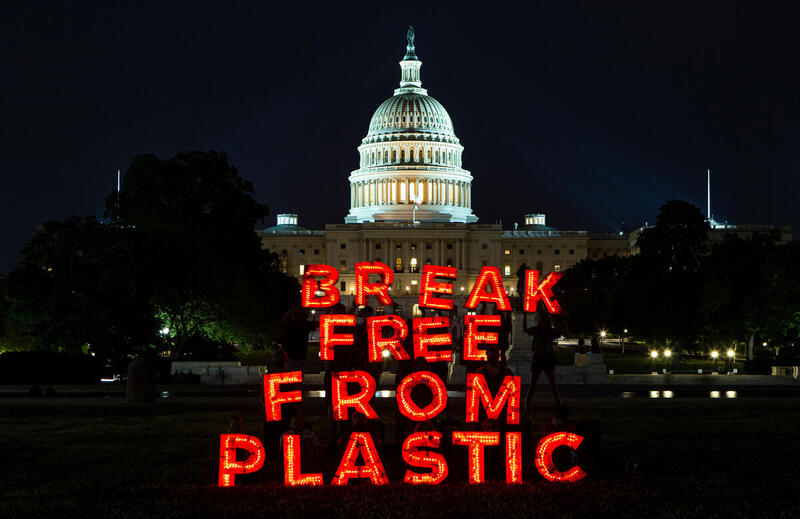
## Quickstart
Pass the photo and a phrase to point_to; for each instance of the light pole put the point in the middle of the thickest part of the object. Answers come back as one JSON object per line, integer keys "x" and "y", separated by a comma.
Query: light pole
{"x": 654, "y": 356}
{"x": 715, "y": 356}
{"x": 624, "y": 337}
{"x": 417, "y": 200}
{"x": 731, "y": 358}
{"x": 667, "y": 356}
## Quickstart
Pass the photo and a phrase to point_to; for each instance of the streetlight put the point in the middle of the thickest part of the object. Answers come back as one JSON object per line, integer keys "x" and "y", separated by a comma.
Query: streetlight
{"x": 624, "y": 338}
{"x": 654, "y": 356}
{"x": 602, "y": 334}
{"x": 731, "y": 353}
{"x": 715, "y": 356}
{"x": 667, "y": 355}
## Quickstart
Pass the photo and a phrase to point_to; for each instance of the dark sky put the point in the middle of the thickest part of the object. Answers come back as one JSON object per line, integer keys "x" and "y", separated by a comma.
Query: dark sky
{"x": 592, "y": 112}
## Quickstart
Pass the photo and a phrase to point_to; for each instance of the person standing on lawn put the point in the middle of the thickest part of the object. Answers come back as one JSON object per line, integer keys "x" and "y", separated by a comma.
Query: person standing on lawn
{"x": 544, "y": 357}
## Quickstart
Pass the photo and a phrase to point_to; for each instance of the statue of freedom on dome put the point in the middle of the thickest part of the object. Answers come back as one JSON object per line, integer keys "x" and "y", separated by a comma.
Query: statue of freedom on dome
{"x": 410, "y": 35}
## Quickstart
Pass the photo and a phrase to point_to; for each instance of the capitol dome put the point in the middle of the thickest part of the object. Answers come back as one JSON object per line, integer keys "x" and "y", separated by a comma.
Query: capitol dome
{"x": 411, "y": 112}
{"x": 410, "y": 160}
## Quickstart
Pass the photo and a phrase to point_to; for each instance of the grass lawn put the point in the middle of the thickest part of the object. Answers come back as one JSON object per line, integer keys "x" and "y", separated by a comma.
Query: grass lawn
{"x": 99, "y": 457}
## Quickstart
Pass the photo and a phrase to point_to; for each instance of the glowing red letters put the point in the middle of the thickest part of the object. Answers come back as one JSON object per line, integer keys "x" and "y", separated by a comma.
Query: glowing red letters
{"x": 429, "y": 286}
{"x": 291, "y": 464}
{"x": 473, "y": 337}
{"x": 379, "y": 289}
{"x": 411, "y": 410}
{"x": 274, "y": 398}
{"x": 544, "y": 457}
{"x": 394, "y": 343}
{"x": 320, "y": 293}
{"x": 229, "y": 467}
{"x": 476, "y": 440}
{"x": 478, "y": 394}
{"x": 425, "y": 459}
{"x": 328, "y": 338}
{"x": 489, "y": 278}
{"x": 360, "y": 443}
{"x": 534, "y": 291}
{"x": 423, "y": 339}
{"x": 341, "y": 400}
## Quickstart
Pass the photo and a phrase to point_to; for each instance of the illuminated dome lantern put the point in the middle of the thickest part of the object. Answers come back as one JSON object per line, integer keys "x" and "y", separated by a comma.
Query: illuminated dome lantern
{"x": 410, "y": 157}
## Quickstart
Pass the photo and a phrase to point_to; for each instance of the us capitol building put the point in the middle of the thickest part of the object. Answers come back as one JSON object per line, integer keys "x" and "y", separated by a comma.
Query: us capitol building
{"x": 411, "y": 204}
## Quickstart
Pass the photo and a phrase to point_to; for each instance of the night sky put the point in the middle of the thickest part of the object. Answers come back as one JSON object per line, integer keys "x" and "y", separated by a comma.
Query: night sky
{"x": 592, "y": 112}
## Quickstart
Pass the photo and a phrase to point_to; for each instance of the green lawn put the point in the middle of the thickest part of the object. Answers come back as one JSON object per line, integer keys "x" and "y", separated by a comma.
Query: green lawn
{"x": 98, "y": 457}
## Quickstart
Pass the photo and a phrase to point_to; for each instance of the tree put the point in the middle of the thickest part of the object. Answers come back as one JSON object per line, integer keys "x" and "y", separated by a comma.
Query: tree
{"x": 594, "y": 295}
{"x": 666, "y": 275}
{"x": 208, "y": 276}
{"x": 752, "y": 290}
{"x": 78, "y": 289}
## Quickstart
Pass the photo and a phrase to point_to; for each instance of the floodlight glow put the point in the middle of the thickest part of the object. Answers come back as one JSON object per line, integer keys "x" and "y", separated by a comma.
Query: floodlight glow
{"x": 654, "y": 354}
{"x": 386, "y": 354}
{"x": 668, "y": 353}
{"x": 603, "y": 334}
{"x": 731, "y": 353}
{"x": 714, "y": 354}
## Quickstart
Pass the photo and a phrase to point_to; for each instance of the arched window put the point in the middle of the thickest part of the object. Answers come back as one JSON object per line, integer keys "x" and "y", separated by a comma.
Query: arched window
{"x": 398, "y": 265}
{"x": 394, "y": 155}
{"x": 402, "y": 155}
{"x": 412, "y": 266}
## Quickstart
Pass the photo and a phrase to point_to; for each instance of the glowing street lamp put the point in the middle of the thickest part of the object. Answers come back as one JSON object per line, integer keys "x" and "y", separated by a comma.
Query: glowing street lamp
{"x": 731, "y": 353}
{"x": 715, "y": 356}
{"x": 667, "y": 356}
{"x": 653, "y": 357}
{"x": 602, "y": 334}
